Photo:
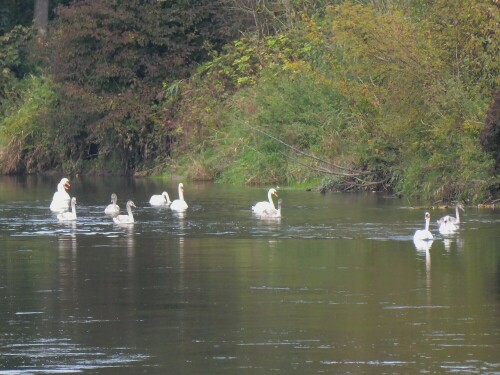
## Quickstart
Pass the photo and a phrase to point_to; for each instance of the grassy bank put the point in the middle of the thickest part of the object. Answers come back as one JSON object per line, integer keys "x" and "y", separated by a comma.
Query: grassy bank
{"x": 395, "y": 98}
{"x": 355, "y": 99}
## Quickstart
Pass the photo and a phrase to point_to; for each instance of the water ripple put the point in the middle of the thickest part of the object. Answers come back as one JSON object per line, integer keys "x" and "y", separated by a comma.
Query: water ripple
{"x": 54, "y": 355}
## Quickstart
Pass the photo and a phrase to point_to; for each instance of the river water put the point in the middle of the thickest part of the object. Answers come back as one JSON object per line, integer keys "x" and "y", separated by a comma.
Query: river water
{"x": 336, "y": 285}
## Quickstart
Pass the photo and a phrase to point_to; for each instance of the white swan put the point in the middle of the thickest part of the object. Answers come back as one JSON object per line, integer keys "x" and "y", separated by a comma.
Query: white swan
{"x": 179, "y": 204}
{"x": 424, "y": 234}
{"x": 449, "y": 224}
{"x": 69, "y": 216}
{"x": 160, "y": 199}
{"x": 112, "y": 209}
{"x": 272, "y": 212}
{"x": 61, "y": 199}
{"x": 269, "y": 205}
{"x": 126, "y": 219}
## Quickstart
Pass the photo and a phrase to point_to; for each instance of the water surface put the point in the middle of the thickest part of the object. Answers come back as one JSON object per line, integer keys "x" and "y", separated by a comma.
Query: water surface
{"x": 334, "y": 286}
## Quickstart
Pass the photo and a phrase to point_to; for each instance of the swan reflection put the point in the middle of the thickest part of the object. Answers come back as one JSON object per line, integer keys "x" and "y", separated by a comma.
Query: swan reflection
{"x": 128, "y": 238}
{"x": 422, "y": 245}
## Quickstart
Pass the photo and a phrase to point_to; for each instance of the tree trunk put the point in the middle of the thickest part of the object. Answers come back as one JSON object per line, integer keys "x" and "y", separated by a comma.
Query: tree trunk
{"x": 41, "y": 17}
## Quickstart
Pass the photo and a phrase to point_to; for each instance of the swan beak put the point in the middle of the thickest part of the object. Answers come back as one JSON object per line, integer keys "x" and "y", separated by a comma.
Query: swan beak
{"x": 67, "y": 185}
{"x": 276, "y": 193}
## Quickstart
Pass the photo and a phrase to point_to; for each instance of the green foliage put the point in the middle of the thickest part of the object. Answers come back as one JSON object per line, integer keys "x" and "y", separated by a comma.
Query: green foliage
{"x": 20, "y": 13}
{"x": 467, "y": 33}
{"x": 368, "y": 89}
{"x": 394, "y": 90}
{"x": 15, "y": 13}
{"x": 110, "y": 59}
{"x": 13, "y": 58}
{"x": 490, "y": 134}
{"x": 24, "y": 143}
{"x": 241, "y": 62}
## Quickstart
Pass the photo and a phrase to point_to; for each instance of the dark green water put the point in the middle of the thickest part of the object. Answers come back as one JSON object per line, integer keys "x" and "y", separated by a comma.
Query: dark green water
{"x": 335, "y": 286}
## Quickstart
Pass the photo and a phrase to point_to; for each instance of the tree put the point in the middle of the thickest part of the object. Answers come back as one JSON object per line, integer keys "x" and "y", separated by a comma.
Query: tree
{"x": 490, "y": 135}
{"x": 111, "y": 59}
{"x": 41, "y": 16}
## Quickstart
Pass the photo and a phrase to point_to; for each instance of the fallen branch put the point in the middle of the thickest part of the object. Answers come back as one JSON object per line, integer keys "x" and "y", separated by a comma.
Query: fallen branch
{"x": 345, "y": 176}
{"x": 352, "y": 171}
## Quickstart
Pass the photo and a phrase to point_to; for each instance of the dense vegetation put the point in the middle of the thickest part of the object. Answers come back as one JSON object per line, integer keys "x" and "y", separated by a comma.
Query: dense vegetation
{"x": 379, "y": 95}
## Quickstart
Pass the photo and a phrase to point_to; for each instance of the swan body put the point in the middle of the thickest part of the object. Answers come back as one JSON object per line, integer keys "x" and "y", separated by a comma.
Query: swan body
{"x": 272, "y": 212}
{"x": 446, "y": 226}
{"x": 160, "y": 199}
{"x": 126, "y": 219}
{"x": 268, "y": 205}
{"x": 449, "y": 224}
{"x": 61, "y": 199}
{"x": 68, "y": 216}
{"x": 424, "y": 234}
{"x": 179, "y": 204}
{"x": 112, "y": 209}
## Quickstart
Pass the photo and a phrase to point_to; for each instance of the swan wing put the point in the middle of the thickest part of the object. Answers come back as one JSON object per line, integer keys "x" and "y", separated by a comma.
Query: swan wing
{"x": 66, "y": 216}
{"x": 422, "y": 235}
{"x": 60, "y": 202}
{"x": 447, "y": 228}
{"x": 112, "y": 209}
{"x": 156, "y": 200}
{"x": 178, "y": 205}
{"x": 260, "y": 207}
{"x": 123, "y": 219}
{"x": 270, "y": 212}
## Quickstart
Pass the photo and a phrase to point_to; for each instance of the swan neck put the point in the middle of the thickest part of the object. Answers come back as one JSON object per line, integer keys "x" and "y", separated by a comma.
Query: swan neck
{"x": 458, "y": 215}
{"x": 270, "y": 197}
{"x": 427, "y": 224}
{"x": 181, "y": 194}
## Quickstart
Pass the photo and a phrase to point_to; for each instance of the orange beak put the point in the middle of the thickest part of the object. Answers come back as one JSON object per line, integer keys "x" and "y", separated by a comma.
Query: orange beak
{"x": 67, "y": 185}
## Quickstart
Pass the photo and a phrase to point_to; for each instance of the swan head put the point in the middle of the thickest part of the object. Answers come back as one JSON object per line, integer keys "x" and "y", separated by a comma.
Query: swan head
{"x": 65, "y": 183}
{"x": 73, "y": 201}
{"x": 273, "y": 192}
{"x": 181, "y": 187}
{"x": 113, "y": 197}
{"x": 461, "y": 207}
{"x": 131, "y": 204}
{"x": 427, "y": 216}
{"x": 279, "y": 203}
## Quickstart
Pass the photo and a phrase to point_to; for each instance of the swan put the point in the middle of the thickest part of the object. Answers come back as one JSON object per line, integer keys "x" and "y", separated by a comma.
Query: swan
{"x": 126, "y": 219}
{"x": 262, "y": 206}
{"x": 112, "y": 209}
{"x": 160, "y": 199}
{"x": 424, "y": 234}
{"x": 69, "y": 216}
{"x": 448, "y": 224}
{"x": 61, "y": 199}
{"x": 179, "y": 204}
{"x": 272, "y": 212}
